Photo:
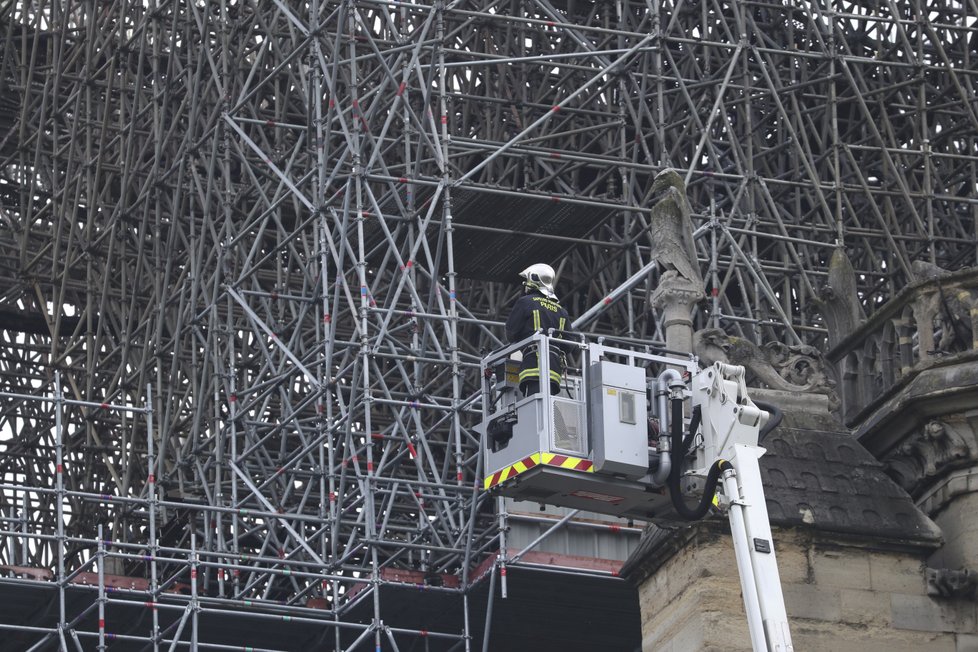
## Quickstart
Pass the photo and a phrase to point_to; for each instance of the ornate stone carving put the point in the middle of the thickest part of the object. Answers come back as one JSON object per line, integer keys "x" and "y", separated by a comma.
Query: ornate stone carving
{"x": 927, "y": 454}
{"x": 951, "y": 312}
{"x": 779, "y": 366}
{"x": 947, "y": 583}
{"x": 676, "y": 290}
{"x": 671, "y": 233}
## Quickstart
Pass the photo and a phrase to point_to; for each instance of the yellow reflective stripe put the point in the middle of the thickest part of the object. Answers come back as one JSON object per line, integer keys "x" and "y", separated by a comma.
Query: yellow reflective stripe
{"x": 535, "y": 373}
{"x": 536, "y": 320}
{"x": 567, "y": 462}
{"x": 530, "y": 373}
{"x": 511, "y": 471}
{"x": 563, "y": 320}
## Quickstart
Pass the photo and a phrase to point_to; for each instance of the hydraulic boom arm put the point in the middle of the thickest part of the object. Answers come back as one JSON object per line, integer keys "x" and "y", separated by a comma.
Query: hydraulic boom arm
{"x": 731, "y": 426}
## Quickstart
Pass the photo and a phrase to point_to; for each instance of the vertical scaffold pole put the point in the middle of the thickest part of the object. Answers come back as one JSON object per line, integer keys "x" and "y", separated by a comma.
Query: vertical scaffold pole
{"x": 503, "y": 527}
{"x": 101, "y": 589}
{"x": 25, "y": 526}
{"x": 194, "y": 605}
{"x": 60, "y": 508}
{"x": 490, "y": 599}
{"x": 151, "y": 498}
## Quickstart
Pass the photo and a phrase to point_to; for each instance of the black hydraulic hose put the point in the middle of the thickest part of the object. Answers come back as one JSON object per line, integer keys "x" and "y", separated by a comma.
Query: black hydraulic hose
{"x": 680, "y": 447}
{"x": 694, "y": 424}
{"x": 776, "y": 416}
{"x": 709, "y": 491}
{"x": 676, "y": 421}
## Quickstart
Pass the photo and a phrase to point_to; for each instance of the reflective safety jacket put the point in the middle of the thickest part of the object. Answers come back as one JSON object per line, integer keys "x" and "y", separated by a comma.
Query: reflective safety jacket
{"x": 533, "y": 312}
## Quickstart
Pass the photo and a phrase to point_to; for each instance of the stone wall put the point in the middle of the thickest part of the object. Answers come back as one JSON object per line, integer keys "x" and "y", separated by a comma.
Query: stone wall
{"x": 840, "y": 596}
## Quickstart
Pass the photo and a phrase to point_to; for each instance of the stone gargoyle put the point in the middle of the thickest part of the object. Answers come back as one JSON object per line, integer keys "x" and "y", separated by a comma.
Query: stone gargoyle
{"x": 779, "y": 366}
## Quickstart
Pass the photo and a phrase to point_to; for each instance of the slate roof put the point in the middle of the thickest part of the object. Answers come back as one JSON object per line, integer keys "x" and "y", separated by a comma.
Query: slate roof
{"x": 819, "y": 479}
{"x": 829, "y": 481}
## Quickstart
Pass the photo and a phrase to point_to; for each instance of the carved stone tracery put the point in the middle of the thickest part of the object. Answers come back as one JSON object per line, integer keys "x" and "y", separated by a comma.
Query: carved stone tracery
{"x": 933, "y": 321}
{"x": 948, "y": 314}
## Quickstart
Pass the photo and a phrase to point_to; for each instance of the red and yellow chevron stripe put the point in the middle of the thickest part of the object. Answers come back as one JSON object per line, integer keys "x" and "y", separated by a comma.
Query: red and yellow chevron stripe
{"x": 527, "y": 463}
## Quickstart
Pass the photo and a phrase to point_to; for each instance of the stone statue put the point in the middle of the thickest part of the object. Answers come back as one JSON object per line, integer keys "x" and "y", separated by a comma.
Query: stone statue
{"x": 838, "y": 300}
{"x": 672, "y": 229}
{"x": 779, "y": 366}
{"x": 681, "y": 284}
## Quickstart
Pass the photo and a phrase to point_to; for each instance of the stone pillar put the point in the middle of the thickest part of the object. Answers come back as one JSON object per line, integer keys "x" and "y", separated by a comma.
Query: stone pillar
{"x": 675, "y": 298}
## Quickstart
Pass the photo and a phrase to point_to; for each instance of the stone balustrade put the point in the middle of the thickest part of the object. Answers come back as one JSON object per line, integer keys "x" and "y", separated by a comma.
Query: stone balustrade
{"x": 931, "y": 323}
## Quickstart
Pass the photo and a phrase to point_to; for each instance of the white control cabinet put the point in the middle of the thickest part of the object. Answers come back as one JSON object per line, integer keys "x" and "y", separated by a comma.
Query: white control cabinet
{"x": 619, "y": 421}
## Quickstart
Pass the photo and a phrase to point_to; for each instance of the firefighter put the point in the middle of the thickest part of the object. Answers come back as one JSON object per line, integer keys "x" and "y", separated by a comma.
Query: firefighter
{"x": 538, "y": 310}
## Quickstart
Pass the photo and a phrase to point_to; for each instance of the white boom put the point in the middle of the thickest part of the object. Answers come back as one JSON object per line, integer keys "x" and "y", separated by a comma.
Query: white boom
{"x": 731, "y": 423}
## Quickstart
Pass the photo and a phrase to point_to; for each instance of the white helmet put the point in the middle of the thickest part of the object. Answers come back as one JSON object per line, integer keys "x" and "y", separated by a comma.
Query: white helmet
{"x": 540, "y": 276}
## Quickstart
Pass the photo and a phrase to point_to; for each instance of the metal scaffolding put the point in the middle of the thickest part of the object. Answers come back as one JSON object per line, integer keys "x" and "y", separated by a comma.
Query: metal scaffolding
{"x": 251, "y": 253}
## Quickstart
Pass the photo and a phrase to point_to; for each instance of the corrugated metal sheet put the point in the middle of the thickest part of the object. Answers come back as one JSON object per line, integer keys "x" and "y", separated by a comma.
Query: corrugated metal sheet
{"x": 609, "y": 542}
